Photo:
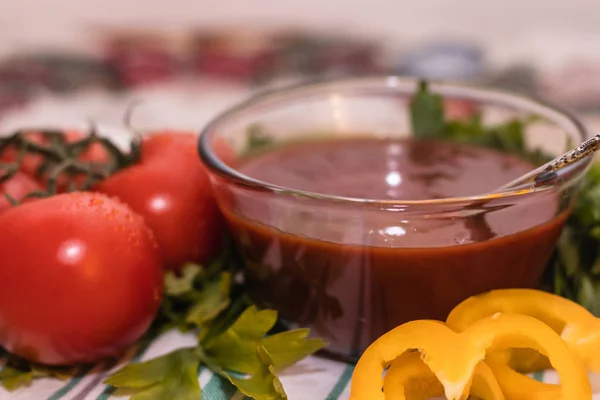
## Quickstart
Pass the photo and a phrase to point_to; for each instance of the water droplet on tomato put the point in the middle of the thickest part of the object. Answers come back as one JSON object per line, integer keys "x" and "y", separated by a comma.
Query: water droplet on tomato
{"x": 95, "y": 201}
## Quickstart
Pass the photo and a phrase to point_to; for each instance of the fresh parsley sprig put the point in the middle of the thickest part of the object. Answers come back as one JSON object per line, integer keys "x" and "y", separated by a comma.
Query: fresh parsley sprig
{"x": 233, "y": 340}
{"x": 244, "y": 348}
{"x": 574, "y": 271}
{"x": 428, "y": 121}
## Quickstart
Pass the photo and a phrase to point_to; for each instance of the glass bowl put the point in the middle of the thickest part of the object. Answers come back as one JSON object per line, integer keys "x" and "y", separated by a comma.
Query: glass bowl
{"x": 353, "y": 268}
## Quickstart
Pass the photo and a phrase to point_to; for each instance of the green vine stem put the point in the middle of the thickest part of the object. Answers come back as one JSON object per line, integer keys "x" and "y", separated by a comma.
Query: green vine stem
{"x": 61, "y": 160}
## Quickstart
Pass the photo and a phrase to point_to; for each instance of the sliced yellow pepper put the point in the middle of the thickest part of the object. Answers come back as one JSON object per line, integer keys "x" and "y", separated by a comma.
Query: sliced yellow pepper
{"x": 409, "y": 378}
{"x": 453, "y": 357}
{"x": 521, "y": 387}
{"x": 578, "y": 327}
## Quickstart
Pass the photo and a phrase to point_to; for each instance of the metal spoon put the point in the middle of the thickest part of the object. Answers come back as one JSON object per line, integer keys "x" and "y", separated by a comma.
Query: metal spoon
{"x": 548, "y": 172}
{"x": 542, "y": 176}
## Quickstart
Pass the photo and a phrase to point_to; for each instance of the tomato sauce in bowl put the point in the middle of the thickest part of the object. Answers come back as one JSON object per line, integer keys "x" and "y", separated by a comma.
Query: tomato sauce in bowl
{"x": 353, "y": 281}
{"x": 351, "y": 226}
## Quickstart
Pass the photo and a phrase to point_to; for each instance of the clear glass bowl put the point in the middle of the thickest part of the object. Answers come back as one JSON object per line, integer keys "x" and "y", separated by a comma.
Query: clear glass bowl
{"x": 343, "y": 266}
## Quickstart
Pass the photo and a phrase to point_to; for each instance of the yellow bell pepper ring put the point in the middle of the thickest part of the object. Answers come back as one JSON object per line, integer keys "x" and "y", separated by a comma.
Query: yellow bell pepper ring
{"x": 452, "y": 357}
{"x": 409, "y": 378}
{"x": 516, "y": 386}
{"x": 577, "y": 326}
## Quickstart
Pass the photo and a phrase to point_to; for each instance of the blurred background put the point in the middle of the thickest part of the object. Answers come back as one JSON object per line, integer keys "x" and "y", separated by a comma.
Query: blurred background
{"x": 67, "y": 60}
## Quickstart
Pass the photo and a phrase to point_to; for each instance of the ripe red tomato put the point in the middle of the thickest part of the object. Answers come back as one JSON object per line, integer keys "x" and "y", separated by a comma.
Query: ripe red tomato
{"x": 81, "y": 278}
{"x": 170, "y": 188}
{"x": 16, "y": 187}
{"x": 31, "y": 162}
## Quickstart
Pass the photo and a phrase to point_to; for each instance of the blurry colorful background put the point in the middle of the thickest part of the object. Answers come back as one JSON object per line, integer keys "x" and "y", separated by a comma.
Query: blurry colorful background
{"x": 67, "y": 59}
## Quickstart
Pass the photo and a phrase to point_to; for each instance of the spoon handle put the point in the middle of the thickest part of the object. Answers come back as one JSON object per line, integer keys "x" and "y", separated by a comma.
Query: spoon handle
{"x": 547, "y": 172}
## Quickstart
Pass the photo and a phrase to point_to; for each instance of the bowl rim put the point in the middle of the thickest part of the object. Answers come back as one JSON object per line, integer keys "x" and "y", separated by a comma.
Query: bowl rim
{"x": 382, "y": 82}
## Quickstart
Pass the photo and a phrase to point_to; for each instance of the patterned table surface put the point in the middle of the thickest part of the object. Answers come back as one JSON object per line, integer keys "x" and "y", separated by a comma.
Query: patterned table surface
{"x": 312, "y": 379}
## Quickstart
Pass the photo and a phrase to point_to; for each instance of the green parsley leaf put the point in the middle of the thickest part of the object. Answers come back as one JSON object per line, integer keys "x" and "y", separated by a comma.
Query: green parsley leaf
{"x": 235, "y": 349}
{"x": 569, "y": 251}
{"x": 211, "y": 301}
{"x": 195, "y": 297}
{"x": 177, "y": 285}
{"x": 288, "y": 347}
{"x": 576, "y": 269}
{"x": 19, "y": 372}
{"x": 224, "y": 320}
{"x": 510, "y": 136}
{"x": 170, "y": 317}
{"x": 172, "y": 376}
{"x": 588, "y": 294}
{"x": 427, "y": 113}
{"x": 264, "y": 383}
{"x": 587, "y": 211}
{"x": 257, "y": 138}
{"x": 13, "y": 378}
{"x": 470, "y": 130}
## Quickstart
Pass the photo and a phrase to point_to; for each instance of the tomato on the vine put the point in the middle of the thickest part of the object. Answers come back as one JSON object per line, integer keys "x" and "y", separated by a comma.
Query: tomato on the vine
{"x": 18, "y": 186}
{"x": 31, "y": 162}
{"x": 81, "y": 278}
{"x": 170, "y": 189}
